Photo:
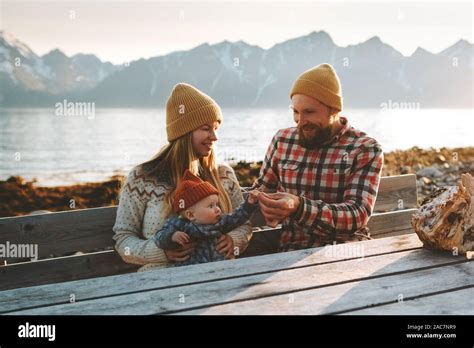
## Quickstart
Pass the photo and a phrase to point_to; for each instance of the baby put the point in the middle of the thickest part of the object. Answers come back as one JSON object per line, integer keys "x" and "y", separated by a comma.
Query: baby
{"x": 201, "y": 220}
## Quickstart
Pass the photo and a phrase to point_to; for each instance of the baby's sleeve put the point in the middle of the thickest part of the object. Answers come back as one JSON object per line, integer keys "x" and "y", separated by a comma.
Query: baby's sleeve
{"x": 164, "y": 234}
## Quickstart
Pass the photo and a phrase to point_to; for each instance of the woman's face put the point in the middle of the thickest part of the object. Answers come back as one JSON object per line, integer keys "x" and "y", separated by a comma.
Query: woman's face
{"x": 204, "y": 137}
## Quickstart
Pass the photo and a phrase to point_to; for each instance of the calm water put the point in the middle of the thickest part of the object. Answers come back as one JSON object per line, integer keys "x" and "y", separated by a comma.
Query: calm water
{"x": 61, "y": 150}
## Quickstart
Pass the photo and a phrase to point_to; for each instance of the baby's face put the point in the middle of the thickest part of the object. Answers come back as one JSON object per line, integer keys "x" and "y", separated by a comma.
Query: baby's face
{"x": 206, "y": 211}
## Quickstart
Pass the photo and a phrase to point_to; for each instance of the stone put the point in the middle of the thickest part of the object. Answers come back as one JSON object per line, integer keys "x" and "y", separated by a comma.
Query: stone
{"x": 405, "y": 169}
{"x": 429, "y": 172}
{"x": 426, "y": 181}
{"x": 446, "y": 218}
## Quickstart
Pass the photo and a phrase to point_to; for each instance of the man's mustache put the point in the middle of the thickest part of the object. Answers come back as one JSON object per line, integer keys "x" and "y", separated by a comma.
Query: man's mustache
{"x": 308, "y": 127}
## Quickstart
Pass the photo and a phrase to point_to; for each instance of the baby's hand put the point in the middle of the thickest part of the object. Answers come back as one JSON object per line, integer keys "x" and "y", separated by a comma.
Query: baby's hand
{"x": 253, "y": 196}
{"x": 180, "y": 237}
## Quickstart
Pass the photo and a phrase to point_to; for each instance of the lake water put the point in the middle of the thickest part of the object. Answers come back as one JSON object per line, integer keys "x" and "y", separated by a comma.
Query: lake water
{"x": 58, "y": 150}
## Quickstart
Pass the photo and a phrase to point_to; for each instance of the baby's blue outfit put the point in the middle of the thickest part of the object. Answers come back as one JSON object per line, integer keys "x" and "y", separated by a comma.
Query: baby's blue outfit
{"x": 205, "y": 236}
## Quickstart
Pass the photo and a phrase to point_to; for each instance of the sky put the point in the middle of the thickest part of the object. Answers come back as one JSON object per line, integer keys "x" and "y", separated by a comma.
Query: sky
{"x": 123, "y": 31}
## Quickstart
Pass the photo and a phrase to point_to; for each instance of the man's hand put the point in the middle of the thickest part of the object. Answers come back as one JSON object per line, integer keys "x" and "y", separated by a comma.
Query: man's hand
{"x": 180, "y": 237}
{"x": 253, "y": 196}
{"x": 278, "y": 206}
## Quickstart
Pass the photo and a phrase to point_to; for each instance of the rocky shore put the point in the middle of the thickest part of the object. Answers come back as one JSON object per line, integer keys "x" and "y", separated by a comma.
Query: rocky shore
{"x": 433, "y": 167}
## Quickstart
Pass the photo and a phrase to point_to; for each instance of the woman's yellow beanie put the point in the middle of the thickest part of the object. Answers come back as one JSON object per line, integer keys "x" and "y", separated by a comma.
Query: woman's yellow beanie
{"x": 188, "y": 109}
{"x": 320, "y": 83}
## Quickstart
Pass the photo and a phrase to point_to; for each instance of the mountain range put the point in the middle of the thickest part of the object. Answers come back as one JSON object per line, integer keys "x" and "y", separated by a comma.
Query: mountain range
{"x": 237, "y": 74}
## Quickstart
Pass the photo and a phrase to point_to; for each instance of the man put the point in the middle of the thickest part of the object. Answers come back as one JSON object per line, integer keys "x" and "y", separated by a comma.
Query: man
{"x": 326, "y": 172}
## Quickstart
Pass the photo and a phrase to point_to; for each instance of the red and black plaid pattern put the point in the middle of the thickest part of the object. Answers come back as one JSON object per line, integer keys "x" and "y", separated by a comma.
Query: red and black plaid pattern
{"x": 338, "y": 183}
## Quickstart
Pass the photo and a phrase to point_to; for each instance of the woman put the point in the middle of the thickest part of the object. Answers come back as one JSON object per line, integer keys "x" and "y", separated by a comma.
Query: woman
{"x": 192, "y": 119}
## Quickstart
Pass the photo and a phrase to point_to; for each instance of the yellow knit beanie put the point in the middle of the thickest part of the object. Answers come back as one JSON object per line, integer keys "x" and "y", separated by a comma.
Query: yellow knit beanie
{"x": 188, "y": 109}
{"x": 320, "y": 83}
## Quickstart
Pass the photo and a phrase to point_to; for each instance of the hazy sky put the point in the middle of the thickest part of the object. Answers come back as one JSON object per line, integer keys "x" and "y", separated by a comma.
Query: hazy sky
{"x": 120, "y": 31}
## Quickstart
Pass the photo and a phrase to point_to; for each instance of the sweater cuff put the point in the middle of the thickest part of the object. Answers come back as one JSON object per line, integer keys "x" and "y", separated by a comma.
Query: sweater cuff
{"x": 240, "y": 241}
{"x": 153, "y": 254}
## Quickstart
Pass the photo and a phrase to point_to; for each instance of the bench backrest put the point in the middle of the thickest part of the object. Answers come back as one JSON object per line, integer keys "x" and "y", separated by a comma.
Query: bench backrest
{"x": 90, "y": 231}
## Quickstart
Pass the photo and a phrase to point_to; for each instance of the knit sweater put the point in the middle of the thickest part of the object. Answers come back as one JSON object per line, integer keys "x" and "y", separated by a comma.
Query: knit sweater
{"x": 141, "y": 212}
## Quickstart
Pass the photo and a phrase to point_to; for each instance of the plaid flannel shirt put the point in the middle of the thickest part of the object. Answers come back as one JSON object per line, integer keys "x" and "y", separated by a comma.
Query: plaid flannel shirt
{"x": 337, "y": 184}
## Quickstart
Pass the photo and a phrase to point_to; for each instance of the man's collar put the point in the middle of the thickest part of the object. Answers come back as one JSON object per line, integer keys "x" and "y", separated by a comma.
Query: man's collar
{"x": 344, "y": 129}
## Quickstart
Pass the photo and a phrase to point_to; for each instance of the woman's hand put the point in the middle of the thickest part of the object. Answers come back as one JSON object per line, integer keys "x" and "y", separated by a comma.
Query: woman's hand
{"x": 180, "y": 254}
{"x": 225, "y": 246}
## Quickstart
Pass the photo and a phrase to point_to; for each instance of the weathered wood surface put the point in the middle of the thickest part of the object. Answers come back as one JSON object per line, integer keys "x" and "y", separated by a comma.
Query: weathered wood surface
{"x": 60, "y": 233}
{"x": 84, "y": 290}
{"x": 459, "y": 302}
{"x": 287, "y": 283}
{"x": 89, "y": 230}
{"x": 63, "y": 269}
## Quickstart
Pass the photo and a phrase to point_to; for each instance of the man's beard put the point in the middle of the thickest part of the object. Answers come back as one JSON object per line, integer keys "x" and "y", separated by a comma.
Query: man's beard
{"x": 319, "y": 138}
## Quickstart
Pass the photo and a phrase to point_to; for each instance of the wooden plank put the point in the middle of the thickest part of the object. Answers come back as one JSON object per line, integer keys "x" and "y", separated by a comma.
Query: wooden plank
{"x": 457, "y": 302}
{"x": 396, "y": 192}
{"x": 59, "y": 233}
{"x": 381, "y": 225}
{"x": 350, "y": 297}
{"x": 173, "y": 277}
{"x": 171, "y": 300}
{"x": 391, "y": 222}
{"x": 63, "y": 269}
{"x": 395, "y": 233}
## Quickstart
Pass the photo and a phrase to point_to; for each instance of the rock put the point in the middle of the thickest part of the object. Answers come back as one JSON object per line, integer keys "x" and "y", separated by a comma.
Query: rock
{"x": 17, "y": 180}
{"x": 429, "y": 172}
{"x": 417, "y": 167}
{"x": 426, "y": 181}
{"x": 446, "y": 219}
{"x": 405, "y": 170}
{"x": 440, "y": 159}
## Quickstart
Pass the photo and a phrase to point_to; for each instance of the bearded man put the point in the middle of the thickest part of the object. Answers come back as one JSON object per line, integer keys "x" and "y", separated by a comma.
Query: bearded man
{"x": 326, "y": 172}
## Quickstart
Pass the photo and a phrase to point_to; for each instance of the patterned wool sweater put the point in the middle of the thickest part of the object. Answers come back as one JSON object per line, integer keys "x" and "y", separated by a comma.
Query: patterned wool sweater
{"x": 141, "y": 212}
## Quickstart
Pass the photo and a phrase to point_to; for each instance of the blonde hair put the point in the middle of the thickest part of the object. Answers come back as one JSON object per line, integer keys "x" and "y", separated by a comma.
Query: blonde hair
{"x": 174, "y": 158}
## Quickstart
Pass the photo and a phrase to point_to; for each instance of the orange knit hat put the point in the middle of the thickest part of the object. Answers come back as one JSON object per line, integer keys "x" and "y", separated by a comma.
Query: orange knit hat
{"x": 191, "y": 190}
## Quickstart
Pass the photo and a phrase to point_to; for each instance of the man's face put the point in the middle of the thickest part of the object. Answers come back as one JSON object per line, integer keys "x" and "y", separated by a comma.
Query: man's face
{"x": 313, "y": 120}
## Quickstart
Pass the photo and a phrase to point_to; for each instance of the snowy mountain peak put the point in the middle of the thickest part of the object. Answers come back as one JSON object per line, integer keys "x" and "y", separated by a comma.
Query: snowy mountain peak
{"x": 461, "y": 47}
{"x": 7, "y": 39}
{"x": 55, "y": 54}
{"x": 421, "y": 52}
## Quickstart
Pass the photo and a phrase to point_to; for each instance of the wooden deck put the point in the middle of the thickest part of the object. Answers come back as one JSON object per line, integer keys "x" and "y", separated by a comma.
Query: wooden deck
{"x": 392, "y": 275}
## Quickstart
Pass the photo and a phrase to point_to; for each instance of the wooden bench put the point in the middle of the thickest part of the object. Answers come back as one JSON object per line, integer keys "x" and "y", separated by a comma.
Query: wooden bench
{"x": 89, "y": 231}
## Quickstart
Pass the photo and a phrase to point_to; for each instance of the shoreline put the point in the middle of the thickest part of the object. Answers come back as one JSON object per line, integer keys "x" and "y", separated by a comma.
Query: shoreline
{"x": 434, "y": 168}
